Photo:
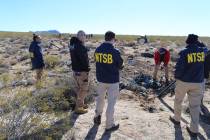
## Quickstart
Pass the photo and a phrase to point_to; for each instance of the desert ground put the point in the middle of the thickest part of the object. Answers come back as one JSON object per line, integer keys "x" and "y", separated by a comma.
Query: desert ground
{"x": 47, "y": 113}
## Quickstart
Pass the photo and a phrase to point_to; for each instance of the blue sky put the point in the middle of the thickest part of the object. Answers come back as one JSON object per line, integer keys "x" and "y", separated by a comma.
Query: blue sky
{"x": 153, "y": 17}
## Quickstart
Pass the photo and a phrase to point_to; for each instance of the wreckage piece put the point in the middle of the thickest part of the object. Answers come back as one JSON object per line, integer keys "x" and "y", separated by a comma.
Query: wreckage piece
{"x": 135, "y": 88}
{"x": 169, "y": 88}
{"x": 144, "y": 84}
{"x": 147, "y": 54}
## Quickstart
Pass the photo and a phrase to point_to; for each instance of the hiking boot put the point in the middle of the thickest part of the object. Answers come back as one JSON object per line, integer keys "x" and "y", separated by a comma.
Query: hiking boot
{"x": 113, "y": 128}
{"x": 174, "y": 121}
{"x": 81, "y": 110}
{"x": 97, "y": 120}
{"x": 192, "y": 134}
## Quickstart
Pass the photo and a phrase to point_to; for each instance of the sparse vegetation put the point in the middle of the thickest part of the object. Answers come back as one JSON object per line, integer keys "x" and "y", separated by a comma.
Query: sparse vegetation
{"x": 53, "y": 100}
{"x": 51, "y": 61}
{"x": 5, "y": 78}
{"x": 44, "y": 112}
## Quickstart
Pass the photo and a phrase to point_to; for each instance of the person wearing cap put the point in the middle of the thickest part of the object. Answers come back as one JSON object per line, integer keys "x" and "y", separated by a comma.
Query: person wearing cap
{"x": 161, "y": 55}
{"x": 37, "y": 60}
{"x": 189, "y": 75}
{"x": 80, "y": 68}
{"x": 108, "y": 64}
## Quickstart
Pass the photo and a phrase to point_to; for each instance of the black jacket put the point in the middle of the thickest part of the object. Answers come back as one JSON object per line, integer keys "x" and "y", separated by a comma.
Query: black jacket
{"x": 79, "y": 56}
{"x": 108, "y": 63}
{"x": 36, "y": 55}
{"x": 207, "y": 65}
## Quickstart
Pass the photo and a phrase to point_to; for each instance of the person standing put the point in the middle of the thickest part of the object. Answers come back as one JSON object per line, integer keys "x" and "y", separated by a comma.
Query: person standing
{"x": 37, "y": 60}
{"x": 108, "y": 63}
{"x": 81, "y": 68}
{"x": 189, "y": 75}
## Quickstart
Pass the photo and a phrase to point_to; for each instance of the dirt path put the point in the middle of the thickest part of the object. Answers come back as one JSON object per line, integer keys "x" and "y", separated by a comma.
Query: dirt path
{"x": 135, "y": 123}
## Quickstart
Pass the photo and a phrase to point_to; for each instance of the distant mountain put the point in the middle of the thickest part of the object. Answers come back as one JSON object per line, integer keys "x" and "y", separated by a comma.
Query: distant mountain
{"x": 53, "y": 32}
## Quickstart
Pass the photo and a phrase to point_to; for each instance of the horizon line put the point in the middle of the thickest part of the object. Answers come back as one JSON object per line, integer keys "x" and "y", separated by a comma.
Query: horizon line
{"x": 103, "y": 33}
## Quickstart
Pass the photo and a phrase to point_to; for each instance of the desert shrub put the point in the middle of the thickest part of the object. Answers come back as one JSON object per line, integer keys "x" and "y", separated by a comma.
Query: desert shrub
{"x": 5, "y": 78}
{"x": 22, "y": 110}
{"x": 5, "y": 108}
{"x": 27, "y": 114}
{"x": 22, "y": 98}
{"x": 16, "y": 123}
{"x": 54, "y": 99}
{"x": 51, "y": 61}
{"x": 15, "y": 114}
{"x": 24, "y": 57}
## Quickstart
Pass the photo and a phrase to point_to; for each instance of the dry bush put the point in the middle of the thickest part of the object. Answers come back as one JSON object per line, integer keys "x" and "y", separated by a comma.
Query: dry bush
{"x": 52, "y": 99}
{"x": 51, "y": 61}
{"x": 19, "y": 116}
{"x": 16, "y": 115}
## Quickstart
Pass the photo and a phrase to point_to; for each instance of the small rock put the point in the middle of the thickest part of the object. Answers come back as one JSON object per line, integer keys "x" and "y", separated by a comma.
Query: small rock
{"x": 1, "y": 85}
{"x": 152, "y": 109}
{"x": 125, "y": 118}
{"x": 162, "y": 109}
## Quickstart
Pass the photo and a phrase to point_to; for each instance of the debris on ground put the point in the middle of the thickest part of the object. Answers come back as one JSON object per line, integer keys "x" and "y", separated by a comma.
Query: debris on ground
{"x": 144, "y": 85}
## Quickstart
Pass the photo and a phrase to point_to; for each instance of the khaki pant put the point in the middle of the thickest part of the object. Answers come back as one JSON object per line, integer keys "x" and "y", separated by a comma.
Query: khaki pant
{"x": 112, "y": 91}
{"x": 81, "y": 79}
{"x": 39, "y": 76}
{"x": 195, "y": 94}
{"x": 39, "y": 73}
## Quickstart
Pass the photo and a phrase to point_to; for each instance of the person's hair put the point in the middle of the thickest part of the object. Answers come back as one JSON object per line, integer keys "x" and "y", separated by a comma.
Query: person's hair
{"x": 35, "y": 37}
{"x": 80, "y": 32}
{"x": 109, "y": 36}
{"x": 192, "y": 39}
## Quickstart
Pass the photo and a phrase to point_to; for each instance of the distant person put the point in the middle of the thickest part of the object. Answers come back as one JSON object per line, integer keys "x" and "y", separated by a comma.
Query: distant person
{"x": 108, "y": 63}
{"x": 59, "y": 36}
{"x": 145, "y": 39}
{"x": 161, "y": 55}
{"x": 81, "y": 68}
{"x": 189, "y": 76}
{"x": 37, "y": 60}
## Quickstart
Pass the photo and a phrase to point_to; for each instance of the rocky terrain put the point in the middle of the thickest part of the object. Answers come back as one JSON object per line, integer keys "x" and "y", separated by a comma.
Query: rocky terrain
{"x": 46, "y": 113}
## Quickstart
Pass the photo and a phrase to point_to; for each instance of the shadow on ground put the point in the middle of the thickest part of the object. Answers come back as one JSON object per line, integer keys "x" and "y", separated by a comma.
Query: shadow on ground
{"x": 55, "y": 131}
{"x": 204, "y": 123}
